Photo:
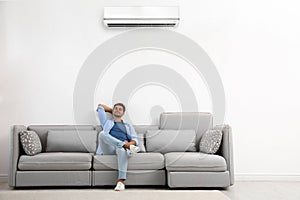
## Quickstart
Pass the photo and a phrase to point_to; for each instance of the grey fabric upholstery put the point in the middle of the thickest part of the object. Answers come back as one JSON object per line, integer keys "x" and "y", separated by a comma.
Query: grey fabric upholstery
{"x": 142, "y": 130}
{"x": 226, "y": 149}
{"x": 194, "y": 161}
{"x": 53, "y": 178}
{"x": 198, "y": 179}
{"x": 42, "y": 130}
{"x": 71, "y": 141}
{"x": 56, "y": 161}
{"x": 199, "y": 121}
{"x": 134, "y": 177}
{"x": 14, "y": 152}
{"x": 165, "y": 141}
{"x": 138, "y": 161}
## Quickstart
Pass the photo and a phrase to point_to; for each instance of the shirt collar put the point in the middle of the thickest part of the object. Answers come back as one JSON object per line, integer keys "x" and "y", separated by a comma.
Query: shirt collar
{"x": 121, "y": 121}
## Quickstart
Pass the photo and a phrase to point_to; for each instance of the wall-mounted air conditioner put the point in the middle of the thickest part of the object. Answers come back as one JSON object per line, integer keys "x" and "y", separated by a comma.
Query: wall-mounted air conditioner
{"x": 141, "y": 16}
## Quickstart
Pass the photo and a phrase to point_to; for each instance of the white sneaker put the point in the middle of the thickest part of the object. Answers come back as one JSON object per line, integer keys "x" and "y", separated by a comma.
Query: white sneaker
{"x": 134, "y": 149}
{"x": 120, "y": 186}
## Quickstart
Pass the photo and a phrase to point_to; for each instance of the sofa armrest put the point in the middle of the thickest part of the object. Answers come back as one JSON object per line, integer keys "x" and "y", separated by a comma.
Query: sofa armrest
{"x": 226, "y": 148}
{"x": 14, "y": 153}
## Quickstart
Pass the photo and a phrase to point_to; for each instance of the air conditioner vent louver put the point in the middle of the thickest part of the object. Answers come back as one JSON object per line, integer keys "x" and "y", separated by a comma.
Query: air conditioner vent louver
{"x": 141, "y": 16}
{"x": 141, "y": 25}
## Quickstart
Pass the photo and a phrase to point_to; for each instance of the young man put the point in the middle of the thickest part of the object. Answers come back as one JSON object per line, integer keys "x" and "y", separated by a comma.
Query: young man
{"x": 117, "y": 137}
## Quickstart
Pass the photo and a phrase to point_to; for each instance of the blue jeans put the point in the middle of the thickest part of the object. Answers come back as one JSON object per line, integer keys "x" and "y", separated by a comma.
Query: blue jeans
{"x": 111, "y": 146}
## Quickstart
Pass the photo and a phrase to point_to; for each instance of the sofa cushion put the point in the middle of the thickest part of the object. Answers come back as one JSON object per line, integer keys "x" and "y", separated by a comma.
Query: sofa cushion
{"x": 199, "y": 121}
{"x": 165, "y": 141}
{"x": 42, "y": 130}
{"x": 31, "y": 142}
{"x": 211, "y": 141}
{"x": 138, "y": 161}
{"x": 71, "y": 141}
{"x": 56, "y": 161}
{"x": 194, "y": 161}
{"x": 141, "y": 130}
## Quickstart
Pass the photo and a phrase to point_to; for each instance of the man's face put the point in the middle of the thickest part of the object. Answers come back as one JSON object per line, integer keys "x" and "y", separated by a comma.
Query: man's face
{"x": 118, "y": 111}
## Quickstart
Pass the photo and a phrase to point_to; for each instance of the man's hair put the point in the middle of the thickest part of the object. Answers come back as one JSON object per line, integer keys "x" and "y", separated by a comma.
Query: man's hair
{"x": 120, "y": 104}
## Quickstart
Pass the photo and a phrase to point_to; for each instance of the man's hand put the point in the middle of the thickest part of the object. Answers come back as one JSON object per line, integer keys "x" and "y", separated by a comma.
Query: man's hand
{"x": 106, "y": 108}
{"x": 127, "y": 144}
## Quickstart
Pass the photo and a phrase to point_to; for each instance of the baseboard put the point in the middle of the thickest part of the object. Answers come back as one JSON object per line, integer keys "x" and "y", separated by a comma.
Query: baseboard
{"x": 267, "y": 177}
{"x": 3, "y": 178}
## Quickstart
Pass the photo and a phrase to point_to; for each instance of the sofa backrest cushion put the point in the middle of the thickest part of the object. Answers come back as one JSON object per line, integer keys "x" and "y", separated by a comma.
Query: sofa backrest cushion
{"x": 42, "y": 130}
{"x": 199, "y": 121}
{"x": 71, "y": 141}
{"x": 165, "y": 141}
{"x": 141, "y": 130}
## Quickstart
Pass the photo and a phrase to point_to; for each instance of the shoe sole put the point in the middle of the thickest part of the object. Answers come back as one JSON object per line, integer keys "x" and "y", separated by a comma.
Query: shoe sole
{"x": 119, "y": 189}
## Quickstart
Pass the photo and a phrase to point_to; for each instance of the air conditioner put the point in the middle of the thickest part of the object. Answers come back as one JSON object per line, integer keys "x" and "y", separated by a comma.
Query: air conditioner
{"x": 141, "y": 16}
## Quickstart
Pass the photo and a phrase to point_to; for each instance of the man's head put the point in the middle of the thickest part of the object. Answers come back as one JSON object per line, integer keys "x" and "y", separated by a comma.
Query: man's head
{"x": 118, "y": 110}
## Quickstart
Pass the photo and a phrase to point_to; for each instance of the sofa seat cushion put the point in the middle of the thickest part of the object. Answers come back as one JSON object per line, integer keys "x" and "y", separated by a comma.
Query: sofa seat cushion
{"x": 56, "y": 161}
{"x": 194, "y": 161}
{"x": 138, "y": 161}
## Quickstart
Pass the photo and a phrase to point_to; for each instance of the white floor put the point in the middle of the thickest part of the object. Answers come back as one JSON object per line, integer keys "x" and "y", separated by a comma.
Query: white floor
{"x": 259, "y": 190}
{"x": 241, "y": 190}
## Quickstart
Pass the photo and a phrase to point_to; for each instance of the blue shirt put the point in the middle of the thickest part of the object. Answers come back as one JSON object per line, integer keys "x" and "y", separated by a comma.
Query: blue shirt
{"x": 119, "y": 131}
{"x": 107, "y": 125}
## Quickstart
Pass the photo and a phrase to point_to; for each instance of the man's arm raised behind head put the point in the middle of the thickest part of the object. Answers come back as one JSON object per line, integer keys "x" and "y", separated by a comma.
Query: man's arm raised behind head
{"x": 106, "y": 108}
{"x": 101, "y": 112}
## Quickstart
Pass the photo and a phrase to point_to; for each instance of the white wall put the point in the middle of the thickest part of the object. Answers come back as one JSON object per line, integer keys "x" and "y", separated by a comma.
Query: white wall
{"x": 254, "y": 45}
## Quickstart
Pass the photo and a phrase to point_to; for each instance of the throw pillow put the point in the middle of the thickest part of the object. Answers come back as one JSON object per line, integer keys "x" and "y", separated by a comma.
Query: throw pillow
{"x": 165, "y": 141}
{"x": 31, "y": 142}
{"x": 210, "y": 141}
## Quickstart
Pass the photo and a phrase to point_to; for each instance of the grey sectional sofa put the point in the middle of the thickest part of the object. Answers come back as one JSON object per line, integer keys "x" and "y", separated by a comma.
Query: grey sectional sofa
{"x": 65, "y": 163}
